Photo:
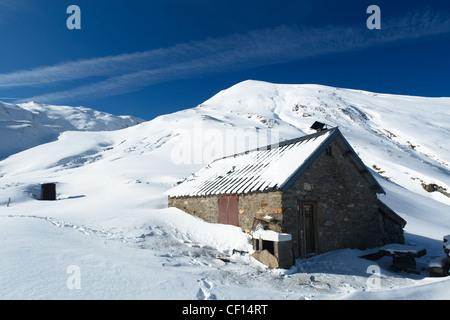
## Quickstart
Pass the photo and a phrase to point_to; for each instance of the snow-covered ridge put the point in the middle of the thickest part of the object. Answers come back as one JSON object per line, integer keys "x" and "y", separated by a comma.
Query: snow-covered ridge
{"x": 26, "y": 125}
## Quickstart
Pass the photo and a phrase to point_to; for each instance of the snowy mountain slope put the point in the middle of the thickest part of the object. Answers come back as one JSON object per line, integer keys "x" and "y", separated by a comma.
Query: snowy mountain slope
{"x": 30, "y": 124}
{"x": 402, "y": 137}
{"x": 111, "y": 188}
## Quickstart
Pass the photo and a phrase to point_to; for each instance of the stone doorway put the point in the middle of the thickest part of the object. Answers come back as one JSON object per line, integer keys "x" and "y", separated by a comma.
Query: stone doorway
{"x": 308, "y": 235}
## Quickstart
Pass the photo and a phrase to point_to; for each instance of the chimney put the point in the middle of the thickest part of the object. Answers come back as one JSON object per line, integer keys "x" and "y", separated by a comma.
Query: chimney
{"x": 319, "y": 126}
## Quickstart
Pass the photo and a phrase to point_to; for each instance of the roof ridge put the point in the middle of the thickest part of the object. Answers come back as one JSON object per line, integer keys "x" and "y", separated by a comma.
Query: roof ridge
{"x": 260, "y": 170}
{"x": 281, "y": 144}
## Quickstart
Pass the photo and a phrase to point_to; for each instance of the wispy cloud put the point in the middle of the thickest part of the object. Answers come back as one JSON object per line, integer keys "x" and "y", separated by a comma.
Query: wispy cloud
{"x": 9, "y": 98}
{"x": 14, "y": 6}
{"x": 130, "y": 72}
{"x": 11, "y": 4}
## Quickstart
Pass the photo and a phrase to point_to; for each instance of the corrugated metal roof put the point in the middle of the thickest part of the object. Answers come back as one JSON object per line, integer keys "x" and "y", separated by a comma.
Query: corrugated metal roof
{"x": 268, "y": 168}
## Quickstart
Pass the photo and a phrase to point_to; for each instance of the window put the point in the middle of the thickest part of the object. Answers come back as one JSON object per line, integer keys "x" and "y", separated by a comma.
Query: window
{"x": 329, "y": 151}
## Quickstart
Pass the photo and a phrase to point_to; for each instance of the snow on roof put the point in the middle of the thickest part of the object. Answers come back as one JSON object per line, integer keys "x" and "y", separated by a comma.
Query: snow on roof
{"x": 439, "y": 262}
{"x": 263, "y": 169}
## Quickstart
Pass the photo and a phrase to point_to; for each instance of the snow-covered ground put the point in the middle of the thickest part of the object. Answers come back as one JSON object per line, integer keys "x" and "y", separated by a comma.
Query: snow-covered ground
{"x": 111, "y": 236}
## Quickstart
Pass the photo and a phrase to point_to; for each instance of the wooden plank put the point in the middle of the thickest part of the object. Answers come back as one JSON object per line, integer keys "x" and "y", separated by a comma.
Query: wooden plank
{"x": 233, "y": 211}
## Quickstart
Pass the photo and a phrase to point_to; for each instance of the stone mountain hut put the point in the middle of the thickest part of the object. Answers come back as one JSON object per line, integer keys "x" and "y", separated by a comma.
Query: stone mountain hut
{"x": 313, "y": 191}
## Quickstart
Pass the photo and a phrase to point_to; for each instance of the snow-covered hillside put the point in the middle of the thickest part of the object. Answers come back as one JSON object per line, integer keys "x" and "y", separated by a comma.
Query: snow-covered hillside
{"x": 403, "y": 138}
{"x": 113, "y": 224}
{"x": 30, "y": 124}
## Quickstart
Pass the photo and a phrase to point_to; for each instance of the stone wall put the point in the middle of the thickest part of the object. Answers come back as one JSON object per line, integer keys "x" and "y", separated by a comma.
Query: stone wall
{"x": 258, "y": 204}
{"x": 206, "y": 208}
{"x": 347, "y": 210}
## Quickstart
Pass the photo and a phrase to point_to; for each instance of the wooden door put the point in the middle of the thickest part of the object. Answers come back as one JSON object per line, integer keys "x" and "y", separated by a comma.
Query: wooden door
{"x": 308, "y": 214}
{"x": 228, "y": 210}
{"x": 307, "y": 229}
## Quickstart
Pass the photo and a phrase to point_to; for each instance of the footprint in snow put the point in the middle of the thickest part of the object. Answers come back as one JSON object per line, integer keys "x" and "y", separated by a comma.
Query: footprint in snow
{"x": 204, "y": 292}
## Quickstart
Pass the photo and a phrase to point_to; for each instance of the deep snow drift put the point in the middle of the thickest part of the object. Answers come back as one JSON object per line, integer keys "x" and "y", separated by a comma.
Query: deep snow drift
{"x": 111, "y": 236}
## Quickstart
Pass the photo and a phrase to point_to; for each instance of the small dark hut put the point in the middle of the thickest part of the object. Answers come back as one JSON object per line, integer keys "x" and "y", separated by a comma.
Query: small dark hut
{"x": 48, "y": 191}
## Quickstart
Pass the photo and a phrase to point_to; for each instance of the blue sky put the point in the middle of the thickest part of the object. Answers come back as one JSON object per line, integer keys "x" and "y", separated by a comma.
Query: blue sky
{"x": 147, "y": 58}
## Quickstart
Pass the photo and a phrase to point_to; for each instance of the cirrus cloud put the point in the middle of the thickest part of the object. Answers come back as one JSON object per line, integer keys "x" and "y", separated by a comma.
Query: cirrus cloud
{"x": 133, "y": 71}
